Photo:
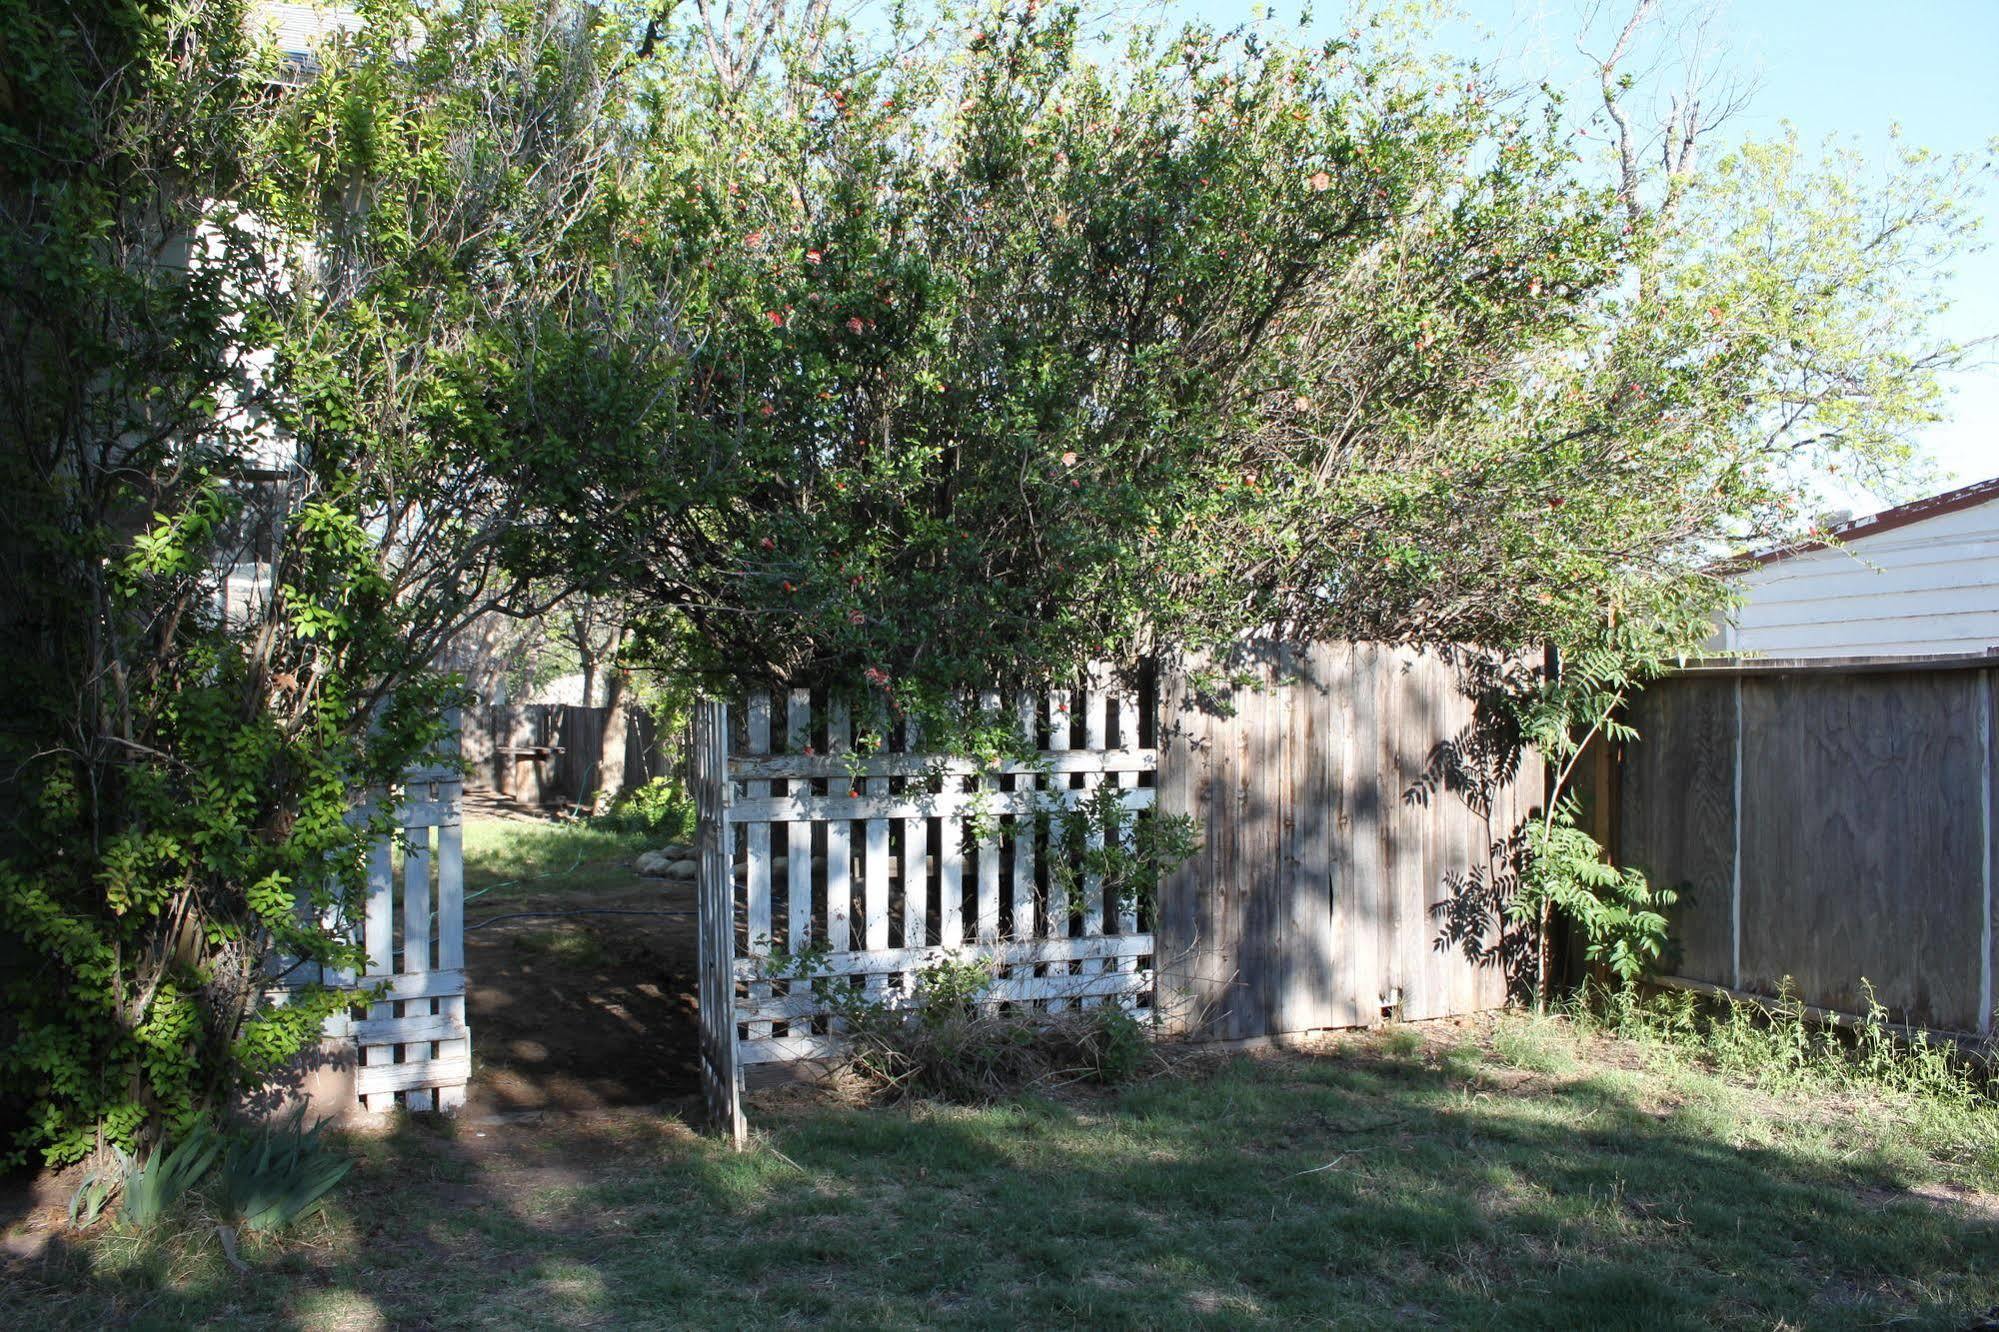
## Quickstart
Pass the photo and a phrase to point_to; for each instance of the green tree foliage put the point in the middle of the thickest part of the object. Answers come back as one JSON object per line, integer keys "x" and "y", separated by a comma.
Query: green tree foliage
{"x": 997, "y": 350}
{"x": 181, "y": 760}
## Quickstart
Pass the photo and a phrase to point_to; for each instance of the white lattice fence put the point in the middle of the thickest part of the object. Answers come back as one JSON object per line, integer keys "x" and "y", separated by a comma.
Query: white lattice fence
{"x": 873, "y": 865}
{"x": 414, "y": 1047}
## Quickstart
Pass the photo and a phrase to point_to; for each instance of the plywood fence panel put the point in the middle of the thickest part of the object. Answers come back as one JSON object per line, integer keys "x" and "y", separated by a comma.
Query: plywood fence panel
{"x": 1863, "y": 842}
{"x": 1677, "y": 814}
{"x": 1836, "y": 822}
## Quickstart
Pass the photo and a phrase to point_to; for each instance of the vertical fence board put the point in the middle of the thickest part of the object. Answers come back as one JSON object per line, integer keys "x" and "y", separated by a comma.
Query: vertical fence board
{"x": 1028, "y": 715}
{"x": 451, "y": 949}
{"x": 1061, "y": 918}
{"x": 951, "y": 873}
{"x": 715, "y": 886}
{"x": 874, "y": 867}
{"x": 915, "y": 861}
{"x": 1127, "y": 738}
{"x": 839, "y": 839}
{"x": 1096, "y": 715}
{"x": 986, "y": 923}
{"x": 798, "y": 833}
{"x": 757, "y": 858}
{"x": 379, "y": 932}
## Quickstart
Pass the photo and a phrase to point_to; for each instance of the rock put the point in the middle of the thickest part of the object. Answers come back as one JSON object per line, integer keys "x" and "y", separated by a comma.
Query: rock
{"x": 653, "y": 864}
{"x": 682, "y": 869}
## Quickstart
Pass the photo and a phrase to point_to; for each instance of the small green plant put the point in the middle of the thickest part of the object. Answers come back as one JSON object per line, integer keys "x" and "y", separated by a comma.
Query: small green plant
{"x": 278, "y": 1172}
{"x": 98, "y": 1188}
{"x": 1621, "y": 916}
{"x": 1783, "y": 1044}
{"x": 1103, "y": 842}
{"x": 155, "y": 1180}
{"x": 660, "y": 806}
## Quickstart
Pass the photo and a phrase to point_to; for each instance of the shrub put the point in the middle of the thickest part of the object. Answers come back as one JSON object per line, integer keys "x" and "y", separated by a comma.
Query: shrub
{"x": 659, "y": 807}
{"x": 945, "y": 1041}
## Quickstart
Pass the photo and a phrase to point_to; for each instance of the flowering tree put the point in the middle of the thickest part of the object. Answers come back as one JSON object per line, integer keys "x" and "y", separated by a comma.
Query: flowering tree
{"x": 980, "y": 355}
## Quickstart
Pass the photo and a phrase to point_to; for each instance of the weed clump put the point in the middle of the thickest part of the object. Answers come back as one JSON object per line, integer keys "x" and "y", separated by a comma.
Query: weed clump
{"x": 947, "y": 1040}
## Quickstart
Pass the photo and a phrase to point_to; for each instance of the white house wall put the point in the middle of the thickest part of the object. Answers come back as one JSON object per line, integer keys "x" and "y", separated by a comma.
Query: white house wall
{"x": 1931, "y": 586}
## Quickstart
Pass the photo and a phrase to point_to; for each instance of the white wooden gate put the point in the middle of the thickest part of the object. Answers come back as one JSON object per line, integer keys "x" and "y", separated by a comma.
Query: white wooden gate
{"x": 414, "y": 1048}
{"x": 822, "y": 863}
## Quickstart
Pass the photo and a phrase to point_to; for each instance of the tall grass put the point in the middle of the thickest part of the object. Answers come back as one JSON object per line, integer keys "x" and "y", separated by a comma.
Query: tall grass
{"x": 1945, "y": 1093}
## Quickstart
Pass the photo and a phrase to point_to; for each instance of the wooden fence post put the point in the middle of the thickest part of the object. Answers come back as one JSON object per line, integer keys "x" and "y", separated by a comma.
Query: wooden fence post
{"x": 721, "y": 1078}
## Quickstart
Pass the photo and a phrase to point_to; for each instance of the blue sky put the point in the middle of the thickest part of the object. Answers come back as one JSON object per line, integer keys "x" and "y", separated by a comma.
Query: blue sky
{"x": 1852, "y": 68}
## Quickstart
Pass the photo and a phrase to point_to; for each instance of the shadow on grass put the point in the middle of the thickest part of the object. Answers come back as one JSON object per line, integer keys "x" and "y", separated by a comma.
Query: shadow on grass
{"x": 1350, "y": 1189}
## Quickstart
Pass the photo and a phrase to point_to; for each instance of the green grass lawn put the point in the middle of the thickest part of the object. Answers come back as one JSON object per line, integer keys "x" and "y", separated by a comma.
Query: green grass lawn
{"x": 1517, "y": 1172}
{"x": 509, "y": 860}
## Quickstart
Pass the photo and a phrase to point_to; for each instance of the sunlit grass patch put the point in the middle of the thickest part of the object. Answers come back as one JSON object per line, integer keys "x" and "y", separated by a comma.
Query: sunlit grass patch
{"x": 1518, "y": 1172}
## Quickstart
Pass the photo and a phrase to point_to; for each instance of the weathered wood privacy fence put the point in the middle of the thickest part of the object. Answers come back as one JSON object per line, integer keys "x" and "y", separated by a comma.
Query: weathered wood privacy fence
{"x": 1830, "y": 820}
{"x": 827, "y": 862}
{"x": 1358, "y": 829}
{"x": 547, "y": 754}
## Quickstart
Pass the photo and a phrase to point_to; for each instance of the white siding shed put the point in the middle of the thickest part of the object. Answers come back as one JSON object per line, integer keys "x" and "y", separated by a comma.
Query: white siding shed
{"x": 1918, "y": 580}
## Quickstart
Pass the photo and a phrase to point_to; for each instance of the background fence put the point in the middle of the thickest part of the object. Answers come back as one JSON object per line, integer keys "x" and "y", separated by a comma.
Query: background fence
{"x": 546, "y": 754}
{"x": 1828, "y": 821}
{"x": 1359, "y": 833}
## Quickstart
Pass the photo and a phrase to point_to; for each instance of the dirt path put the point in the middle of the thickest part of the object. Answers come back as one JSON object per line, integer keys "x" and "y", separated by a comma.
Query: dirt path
{"x": 583, "y": 1012}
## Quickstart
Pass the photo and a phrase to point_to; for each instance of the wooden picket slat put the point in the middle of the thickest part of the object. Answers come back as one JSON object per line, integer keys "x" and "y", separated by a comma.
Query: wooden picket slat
{"x": 874, "y": 864}
{"x": 798, "y": 833}
{"x": 1096, "y": 717}
{"x": 417, "y": 1078}
{"x": 1060, "y": 923}
{"x": 416, "y": 946}
{"x": 451, "y": 954}
{"x": 947, "y": 805}
{"x": 837, "y": 813}
{"x": 756, "y": 867}
{"x": 915, "y": 864}
{"x": 1127, "y": 735}
{"x": 398, "y": 1031}
{"x": 721, "y": 1077}
{"x": 378, "y": 929}
{"x": 1028, "y": 712}
{"x": 985, "y": 924}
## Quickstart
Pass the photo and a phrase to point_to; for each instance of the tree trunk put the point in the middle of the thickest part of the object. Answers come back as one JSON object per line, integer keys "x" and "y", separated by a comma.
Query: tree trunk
{"x": 617, "y": 723}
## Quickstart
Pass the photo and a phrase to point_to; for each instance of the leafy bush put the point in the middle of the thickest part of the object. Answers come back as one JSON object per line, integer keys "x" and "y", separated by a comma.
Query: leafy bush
{"x": 659, "y": 807}
{"x": 273, "y": 1175}
{"x": 1621, "y": 916}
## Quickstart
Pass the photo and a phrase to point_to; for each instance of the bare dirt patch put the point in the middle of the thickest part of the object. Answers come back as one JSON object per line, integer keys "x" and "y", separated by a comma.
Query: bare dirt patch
{"x": 583, "y": 1001}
